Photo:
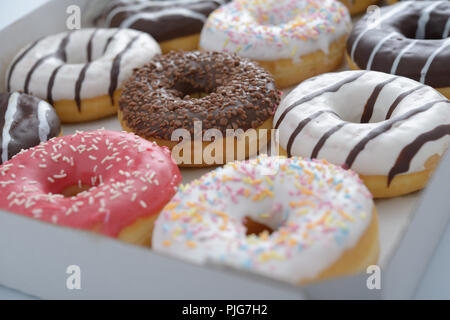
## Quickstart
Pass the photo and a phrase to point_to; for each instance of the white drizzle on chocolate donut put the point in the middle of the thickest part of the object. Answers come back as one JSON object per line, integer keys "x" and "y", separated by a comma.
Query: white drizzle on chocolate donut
{"x": 408, "y": 39}
{"x": 25, "y": 121}
{"x": 164, "y": 20}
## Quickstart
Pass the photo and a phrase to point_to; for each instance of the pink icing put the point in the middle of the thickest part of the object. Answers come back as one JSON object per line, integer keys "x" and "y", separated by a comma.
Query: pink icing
{"x": 130, "y": 178}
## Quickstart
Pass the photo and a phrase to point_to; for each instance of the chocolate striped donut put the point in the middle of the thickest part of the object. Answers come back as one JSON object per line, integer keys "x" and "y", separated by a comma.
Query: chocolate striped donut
{"x": 25, "y": 121}
{"x": 409, "y": 39}
{"x": 374, "y": 123}
{"x": 80, "y": 64}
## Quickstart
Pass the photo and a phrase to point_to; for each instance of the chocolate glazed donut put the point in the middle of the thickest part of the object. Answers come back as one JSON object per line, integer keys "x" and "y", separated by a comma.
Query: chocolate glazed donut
{"x": 163, "y": 20}
{"x": 233, "y": 93}
{"x": 409, "y": 39}
{"x": 25, "y": 121}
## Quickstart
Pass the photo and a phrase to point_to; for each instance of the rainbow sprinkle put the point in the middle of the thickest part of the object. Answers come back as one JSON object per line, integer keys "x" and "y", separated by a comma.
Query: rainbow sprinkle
{"x": 311, "y": 217}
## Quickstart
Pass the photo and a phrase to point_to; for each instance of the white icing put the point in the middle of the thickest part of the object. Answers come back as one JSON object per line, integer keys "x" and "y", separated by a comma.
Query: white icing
{"x": 446, "y": 29}
{"x": 376, "y": 24}
{"x": 424, "y": 71}
{"x": 348, "y": 102}
{"x": 304, "y": 251}
{"x": 11, "y": 110}
{"x": 98, "y": 75}
{"x": 400, "y": 55}
{"x": 377, "y": 47}
{"x": 44, "y": 127}
{"x": 423, "y": 20}
{"x": 272, "y": 30}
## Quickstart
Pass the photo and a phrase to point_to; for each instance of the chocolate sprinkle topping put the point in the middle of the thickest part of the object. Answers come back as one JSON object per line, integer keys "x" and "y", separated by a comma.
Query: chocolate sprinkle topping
{"x": 157, "y": 100}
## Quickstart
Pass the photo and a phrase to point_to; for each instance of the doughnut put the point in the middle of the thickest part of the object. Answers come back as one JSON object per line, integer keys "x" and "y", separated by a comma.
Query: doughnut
{"x": 358, "y": 6}
{"x": 409, "y": 39}
{"x": 80, "y": 72}
{"x": 220, "y": 91}
{"x": 25, "y": 121}
{"x": 292, "y": 39}
{"x": 390, "y": 129}
{"x": 295, "y": 220}
{"x": 175, "y": 24}
{"x": 108, "y": 182}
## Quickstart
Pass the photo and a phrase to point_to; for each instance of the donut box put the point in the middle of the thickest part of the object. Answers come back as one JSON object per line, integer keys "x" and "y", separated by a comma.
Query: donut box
{"x": 35, "y": 256}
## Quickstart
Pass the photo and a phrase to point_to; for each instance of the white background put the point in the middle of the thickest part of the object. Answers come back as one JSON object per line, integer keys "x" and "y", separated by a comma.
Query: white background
{"x": 436, "y": 283}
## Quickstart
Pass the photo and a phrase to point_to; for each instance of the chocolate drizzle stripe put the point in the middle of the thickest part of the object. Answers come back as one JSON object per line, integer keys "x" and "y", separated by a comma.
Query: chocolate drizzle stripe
{"x": 51, "y": 83}
{"x": 115, "y": 69}
{"x": 82, "y": 75}
{"x": 370, "y": 104}
{"x": 31, "y": 71}
{"x": 14, "y": 64}
{"x": 400, "y": 99}
{"x": 110, "y": 39}
{"x": 78, "y": 85}
{"x": 405, "y": 157}
{"x": 324, "y": 138}
{"x": 333, "y": 88}
{"x": 383, "y": 128}
{"x": 300, "y": 127}
{"x": 89, "y": 45}
{"x": 60, "y": 53}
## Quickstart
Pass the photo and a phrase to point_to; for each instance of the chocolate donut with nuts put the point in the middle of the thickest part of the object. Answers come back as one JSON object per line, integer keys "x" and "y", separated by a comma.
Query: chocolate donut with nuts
{"x": 214, "y": 90}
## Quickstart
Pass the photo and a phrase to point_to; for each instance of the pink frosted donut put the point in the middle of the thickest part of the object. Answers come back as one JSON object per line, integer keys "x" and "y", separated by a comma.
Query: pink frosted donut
{"x": 113, "y": 183}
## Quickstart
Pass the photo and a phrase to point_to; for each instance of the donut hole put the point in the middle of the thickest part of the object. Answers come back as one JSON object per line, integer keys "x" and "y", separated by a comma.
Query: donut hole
{"x": 72, "y": 191}
{"x": 255, "y": 228}
{"x": 189, "y": 91}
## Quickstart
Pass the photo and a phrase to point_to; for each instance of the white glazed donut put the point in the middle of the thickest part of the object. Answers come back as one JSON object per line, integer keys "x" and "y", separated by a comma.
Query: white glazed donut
{"x": 317, "y": 212}
{"x": 79, "y": 65}
{"x": 377, "y": 124}
{"x": 277, "y": 30}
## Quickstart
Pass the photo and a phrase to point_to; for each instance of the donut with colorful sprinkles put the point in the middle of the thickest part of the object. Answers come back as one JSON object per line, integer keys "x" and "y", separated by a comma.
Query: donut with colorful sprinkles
{"x": 292, "y": 219}
{"x": 112, "y": 183}
{"x": 292, "y": 39}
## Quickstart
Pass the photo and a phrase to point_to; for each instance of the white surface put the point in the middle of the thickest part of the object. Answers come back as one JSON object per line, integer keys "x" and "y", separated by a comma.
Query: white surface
{"x": 11, "y": 11}
{"x": 436, "y": 283}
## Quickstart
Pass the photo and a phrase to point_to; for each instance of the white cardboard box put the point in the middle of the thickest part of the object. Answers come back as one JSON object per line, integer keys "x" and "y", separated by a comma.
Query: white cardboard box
{"x": 34, "y": 256}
